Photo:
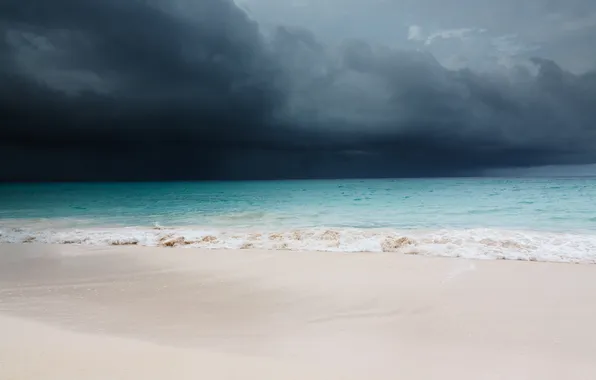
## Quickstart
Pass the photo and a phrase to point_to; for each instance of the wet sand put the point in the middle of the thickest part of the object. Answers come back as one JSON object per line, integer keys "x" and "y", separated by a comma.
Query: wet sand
{"x": 70, "y": 312}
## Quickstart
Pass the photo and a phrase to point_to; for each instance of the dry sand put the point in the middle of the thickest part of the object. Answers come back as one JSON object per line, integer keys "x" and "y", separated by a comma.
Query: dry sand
{"x": 148, "y": 313}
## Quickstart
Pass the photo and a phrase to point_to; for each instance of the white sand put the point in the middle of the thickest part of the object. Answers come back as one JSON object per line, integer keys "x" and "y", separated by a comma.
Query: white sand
{"x": 148, "y": 313}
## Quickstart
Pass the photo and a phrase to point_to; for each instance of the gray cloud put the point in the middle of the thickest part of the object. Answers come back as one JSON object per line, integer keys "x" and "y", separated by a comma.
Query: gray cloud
{"x": 97, "y": 63}
{"x": 196, "y": 89}
{"x": 555, "y": 30}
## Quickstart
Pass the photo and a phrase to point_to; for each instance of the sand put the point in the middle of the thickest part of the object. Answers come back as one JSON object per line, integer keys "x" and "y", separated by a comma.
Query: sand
{"x": 70, "y": 312}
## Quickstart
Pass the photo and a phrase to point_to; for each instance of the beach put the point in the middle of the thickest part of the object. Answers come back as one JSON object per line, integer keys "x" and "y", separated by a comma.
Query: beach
{"x": 72, "y": 312}
{"x": 309, "y": 190}
{"x": 547, "y": 220}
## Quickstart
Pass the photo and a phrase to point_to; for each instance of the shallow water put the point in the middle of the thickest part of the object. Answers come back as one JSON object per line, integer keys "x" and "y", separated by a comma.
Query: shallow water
{"x": 534, "y": 219}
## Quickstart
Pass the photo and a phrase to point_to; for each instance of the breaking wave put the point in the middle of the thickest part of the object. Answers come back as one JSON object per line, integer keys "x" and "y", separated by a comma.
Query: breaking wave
{"x": 465, "y": 243}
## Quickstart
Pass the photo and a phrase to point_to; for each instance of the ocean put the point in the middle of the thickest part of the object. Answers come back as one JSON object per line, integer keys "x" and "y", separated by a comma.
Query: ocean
{"x": 522, "y": 219}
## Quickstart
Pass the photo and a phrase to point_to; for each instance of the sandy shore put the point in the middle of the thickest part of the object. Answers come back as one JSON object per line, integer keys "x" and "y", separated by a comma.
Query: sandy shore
{"x": 148, "y": 313}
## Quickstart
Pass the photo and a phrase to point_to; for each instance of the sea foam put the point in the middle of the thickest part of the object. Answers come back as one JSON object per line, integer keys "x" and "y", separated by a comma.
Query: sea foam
{"x": 465, "y": 243}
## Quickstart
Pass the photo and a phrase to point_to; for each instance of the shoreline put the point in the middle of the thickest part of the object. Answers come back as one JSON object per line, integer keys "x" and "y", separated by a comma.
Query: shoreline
{"x": 479, "y": 243}
{"x": 139, "y": 312}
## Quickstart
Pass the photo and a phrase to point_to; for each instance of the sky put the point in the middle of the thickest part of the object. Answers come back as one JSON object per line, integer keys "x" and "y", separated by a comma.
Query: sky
{"x": 278, "y": 89}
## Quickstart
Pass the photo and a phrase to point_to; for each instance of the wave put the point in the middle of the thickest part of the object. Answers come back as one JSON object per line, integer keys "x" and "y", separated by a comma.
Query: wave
{"x": 464, "y": 243}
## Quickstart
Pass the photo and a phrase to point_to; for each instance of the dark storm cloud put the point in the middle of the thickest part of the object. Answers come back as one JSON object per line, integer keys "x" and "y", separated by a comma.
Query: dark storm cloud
{"x": 125, "y": 89}
{"x": 105, "y": 69}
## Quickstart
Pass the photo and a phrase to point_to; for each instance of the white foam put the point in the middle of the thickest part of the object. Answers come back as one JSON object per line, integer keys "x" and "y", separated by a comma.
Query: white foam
{"x": 466, "y": 243}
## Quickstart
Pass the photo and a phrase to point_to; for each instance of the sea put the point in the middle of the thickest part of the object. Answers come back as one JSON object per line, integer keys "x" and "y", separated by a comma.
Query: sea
{"x": 538, "y": 219}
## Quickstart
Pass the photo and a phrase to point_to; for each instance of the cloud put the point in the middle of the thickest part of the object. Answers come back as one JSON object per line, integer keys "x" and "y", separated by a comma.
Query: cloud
{"x": 127, "y": 89}
{"x": 89, "y": 64}
{"x": 547, "y": 171}
{"x": 509, "y": 51}
{"x": 446, "y": 34}
{"x": 415, "y": 33}
{"x": 582, "y": 23}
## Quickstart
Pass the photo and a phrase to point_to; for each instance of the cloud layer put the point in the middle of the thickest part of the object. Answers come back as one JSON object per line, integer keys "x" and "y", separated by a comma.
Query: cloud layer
{"x": 182, "y": 89}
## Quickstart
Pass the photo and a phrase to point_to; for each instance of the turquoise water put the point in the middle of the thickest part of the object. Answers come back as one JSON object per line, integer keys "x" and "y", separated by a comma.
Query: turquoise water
{"x": 348, "y": 207}
{"x": 553, "y": 204}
